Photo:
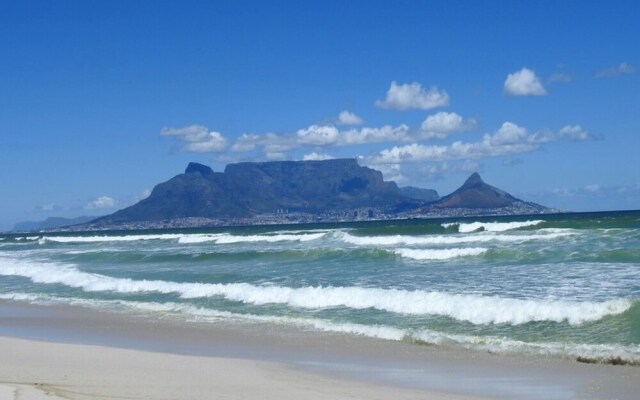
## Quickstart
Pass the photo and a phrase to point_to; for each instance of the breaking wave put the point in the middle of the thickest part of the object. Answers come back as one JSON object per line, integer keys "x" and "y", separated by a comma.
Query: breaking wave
{"x": 447, "y": 239}
{"x": 439, "y": 254}
{"x": 597, "y": 352}
{"x": 473, "y": 308}
{"x": 220, "y": 238}
{"x": 490, "y": 226}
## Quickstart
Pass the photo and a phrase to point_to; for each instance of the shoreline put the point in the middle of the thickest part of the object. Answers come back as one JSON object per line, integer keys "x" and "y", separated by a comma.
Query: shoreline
{"x": 334, "y": 359}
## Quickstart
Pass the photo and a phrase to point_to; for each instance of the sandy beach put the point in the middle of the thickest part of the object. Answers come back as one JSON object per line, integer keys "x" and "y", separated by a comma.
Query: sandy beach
{"x": 74, "y": 353}
{"x": 41, "y": 370}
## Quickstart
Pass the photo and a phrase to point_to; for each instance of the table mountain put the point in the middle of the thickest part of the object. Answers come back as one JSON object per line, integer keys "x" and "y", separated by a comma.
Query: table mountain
{"x": 247, "y": 189}
{"x": 301, "y": 191}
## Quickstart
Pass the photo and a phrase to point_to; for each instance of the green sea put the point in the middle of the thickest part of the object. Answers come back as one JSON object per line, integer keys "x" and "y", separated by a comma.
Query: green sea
{"x": 565, "y": 285}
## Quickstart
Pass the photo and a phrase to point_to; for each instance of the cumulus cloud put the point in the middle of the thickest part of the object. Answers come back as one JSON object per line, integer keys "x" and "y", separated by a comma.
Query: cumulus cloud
{"x": 386, "y": 133}
{"x": 509, "y": 133}
{"x": 509, "y": 139}
{"x": 524, "y": 83}
{"x": 319, "y": 136}
{"x": 197, "y": 138}
{"x": 443, "y": 124}
{"x": 349, "y": 118}
{"x": 100, "y": 203}
{"x": 616, "y": 71}
{"x": 412, "y": 95}
{"x": 316, "y": 157}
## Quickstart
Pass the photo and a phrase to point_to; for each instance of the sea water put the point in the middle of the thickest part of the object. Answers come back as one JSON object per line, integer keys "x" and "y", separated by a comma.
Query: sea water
{"x": 564, "y": 285}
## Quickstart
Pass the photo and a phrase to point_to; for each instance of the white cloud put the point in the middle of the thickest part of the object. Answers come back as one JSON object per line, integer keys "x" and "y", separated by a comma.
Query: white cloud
{"x": 318, "y": 135}
{"x": 443, "y": 124}
{"x": 412, "y": 95}
{"x": 574, "y": 132}
{"x": 386, "y": 133}
{"x": 391, "y": 172}
{"x": 99, "y": 203}
{"x": 615, "y": 71}
{"x": 349, "y": 118}
{"x": 509, "y": 139}
{"x": 571, "y": 132}
{"x": 198, "y": 138}
{"x": 316, "y": 157}
{"x": 509, "y": 133}
{"x": 523, "y": 83}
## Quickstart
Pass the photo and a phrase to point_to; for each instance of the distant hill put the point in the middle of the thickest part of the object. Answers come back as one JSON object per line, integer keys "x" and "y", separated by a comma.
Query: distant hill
{"x": 50, "y": 223}
{"x": 247, "y": 189}
{"x": 479, "y": 196}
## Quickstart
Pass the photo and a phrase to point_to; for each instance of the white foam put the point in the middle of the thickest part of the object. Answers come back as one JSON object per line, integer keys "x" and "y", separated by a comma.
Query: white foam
{"x": 465, "y": 307}
{"x": 110, "y": 238}
{"x": 185, "y": 239}
{"x": 491, "y": 226}
{"x": 396, "y": 240}
{"x": 228, "y": 239}
{"x": 601, "y": 352}
{"x": 439, "y": 254}
{"x": 221, "y": 238}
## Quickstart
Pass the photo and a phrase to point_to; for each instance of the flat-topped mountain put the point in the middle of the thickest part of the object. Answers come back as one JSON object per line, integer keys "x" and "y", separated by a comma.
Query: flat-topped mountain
{"x": 301, "y": 191}
{"x": 247, "y": 189}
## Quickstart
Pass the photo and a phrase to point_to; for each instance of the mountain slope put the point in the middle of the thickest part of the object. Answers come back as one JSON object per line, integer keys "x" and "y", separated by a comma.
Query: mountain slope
{"x": 477, "y": 195}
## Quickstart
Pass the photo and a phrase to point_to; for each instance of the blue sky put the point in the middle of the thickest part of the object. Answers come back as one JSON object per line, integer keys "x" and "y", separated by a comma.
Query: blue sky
{"x": 100, "y": 101}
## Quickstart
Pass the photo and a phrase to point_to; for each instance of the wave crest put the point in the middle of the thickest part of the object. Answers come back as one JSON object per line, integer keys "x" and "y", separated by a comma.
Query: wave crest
{"x": 491, "y": 226}
{"x": 477, "y": 309}
{"x": 439, "y": 254}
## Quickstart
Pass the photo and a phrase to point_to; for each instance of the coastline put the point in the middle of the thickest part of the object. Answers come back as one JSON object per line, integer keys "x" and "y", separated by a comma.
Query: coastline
{"x": 70, "y": 350}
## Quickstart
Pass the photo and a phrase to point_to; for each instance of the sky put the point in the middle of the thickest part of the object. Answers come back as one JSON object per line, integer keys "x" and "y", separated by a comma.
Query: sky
{"x": 102, "y": 100}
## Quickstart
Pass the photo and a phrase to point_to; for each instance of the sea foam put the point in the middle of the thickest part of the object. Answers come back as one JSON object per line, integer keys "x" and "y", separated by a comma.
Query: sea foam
{"x": 439, "y": 254}
{"x": 473, "y": 308}
{"x": 395, "y": 240}
{"x": 596, "y": 352}
{"x": 221, "y": 238}
{"x": 491, "y": 226}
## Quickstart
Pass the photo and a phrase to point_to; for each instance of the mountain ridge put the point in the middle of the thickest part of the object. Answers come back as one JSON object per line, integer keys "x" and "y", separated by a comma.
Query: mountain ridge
{"x": 302, "y": 191}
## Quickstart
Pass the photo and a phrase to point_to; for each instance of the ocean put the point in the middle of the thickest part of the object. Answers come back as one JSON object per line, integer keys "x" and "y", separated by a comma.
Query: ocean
{"x": 565, "y": 285}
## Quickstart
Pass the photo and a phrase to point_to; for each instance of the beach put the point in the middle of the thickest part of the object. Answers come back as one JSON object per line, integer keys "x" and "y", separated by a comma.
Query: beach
{"x": 504, "y": 308}
{"x": 76, "y": 353}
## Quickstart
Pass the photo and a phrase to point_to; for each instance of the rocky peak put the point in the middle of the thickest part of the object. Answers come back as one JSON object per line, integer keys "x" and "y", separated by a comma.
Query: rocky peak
{"x": 473, "y": 180}
{"x": 194, "y": 167}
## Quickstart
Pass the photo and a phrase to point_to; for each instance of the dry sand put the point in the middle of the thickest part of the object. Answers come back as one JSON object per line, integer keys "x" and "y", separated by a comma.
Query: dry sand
{"x": 42, "y": 370}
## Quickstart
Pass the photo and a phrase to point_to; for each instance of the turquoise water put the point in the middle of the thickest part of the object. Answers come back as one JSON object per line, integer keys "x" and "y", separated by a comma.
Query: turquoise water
{"x": 559, "y": 285}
